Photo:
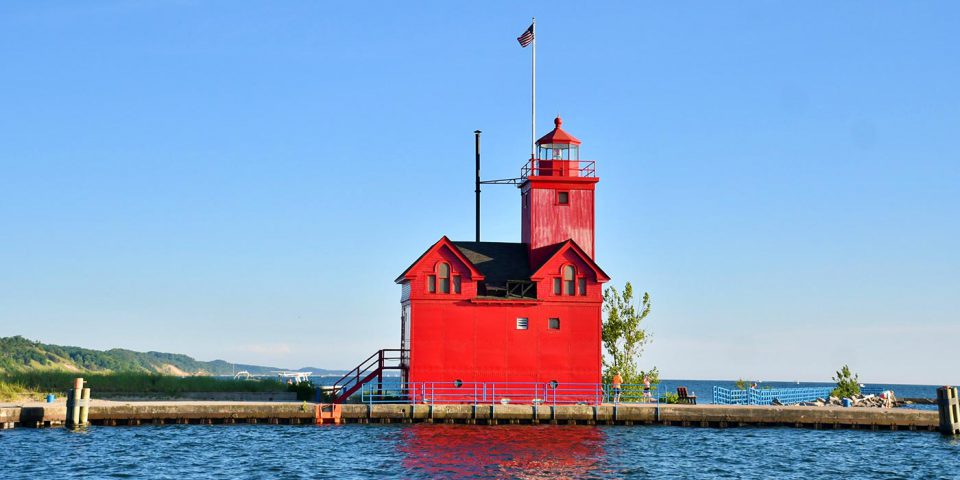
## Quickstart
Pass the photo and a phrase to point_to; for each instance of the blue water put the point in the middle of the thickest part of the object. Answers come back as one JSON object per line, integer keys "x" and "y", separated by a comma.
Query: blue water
{"x": 462, "y": 451}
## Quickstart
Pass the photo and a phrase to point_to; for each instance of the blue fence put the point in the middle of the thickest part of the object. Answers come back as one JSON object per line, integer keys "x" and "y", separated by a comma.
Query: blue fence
{"x": 766, "y": 396}
{"x": 726, "y": 396}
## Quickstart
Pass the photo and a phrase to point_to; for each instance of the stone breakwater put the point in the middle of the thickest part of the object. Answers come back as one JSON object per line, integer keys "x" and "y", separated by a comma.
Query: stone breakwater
{"x": 104, "y": 413}
{"x": 868, "y": 401}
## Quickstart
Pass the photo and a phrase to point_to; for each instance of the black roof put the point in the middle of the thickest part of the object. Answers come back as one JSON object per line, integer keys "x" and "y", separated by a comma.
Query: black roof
{"x": 498, "y": 261}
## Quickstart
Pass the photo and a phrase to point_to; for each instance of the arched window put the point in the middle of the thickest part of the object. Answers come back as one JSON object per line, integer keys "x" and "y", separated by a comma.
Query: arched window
{"x": 569, "y": 283}
{"x": 443, "y": 273}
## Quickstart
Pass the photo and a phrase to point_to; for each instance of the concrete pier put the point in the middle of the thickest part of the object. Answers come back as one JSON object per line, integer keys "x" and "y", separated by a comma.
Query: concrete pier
{"x": 174, "y": 412}
{"x": 718, "y": 416}
{"x": 105, "y": 413}
{"x": 32, "y": 416}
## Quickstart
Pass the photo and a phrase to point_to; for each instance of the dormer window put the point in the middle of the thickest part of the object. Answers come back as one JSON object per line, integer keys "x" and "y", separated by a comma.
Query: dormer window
{"x": 443, "y": 273}
{"x": 568, "y": 283}
{"x": 569, "y": 277}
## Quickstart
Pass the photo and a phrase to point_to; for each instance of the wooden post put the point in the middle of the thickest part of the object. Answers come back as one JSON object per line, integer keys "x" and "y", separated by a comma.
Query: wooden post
{"x": 85, "y": 407}
{"x": 949, "y": 407}
{"x": 75, "y": 411}
{"x": 72, "y": 419}
{"x": 68, "y": 415}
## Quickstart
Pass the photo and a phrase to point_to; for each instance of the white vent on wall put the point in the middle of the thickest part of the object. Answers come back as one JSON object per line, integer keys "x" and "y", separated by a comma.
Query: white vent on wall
{"x": 522, "y": 323}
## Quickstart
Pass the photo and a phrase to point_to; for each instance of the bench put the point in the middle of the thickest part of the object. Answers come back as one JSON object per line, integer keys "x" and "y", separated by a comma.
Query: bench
{"x": 684, "y": 397}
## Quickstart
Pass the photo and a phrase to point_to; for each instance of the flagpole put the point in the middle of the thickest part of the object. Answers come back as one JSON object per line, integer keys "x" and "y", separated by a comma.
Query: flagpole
{"x": 533, "y": 95}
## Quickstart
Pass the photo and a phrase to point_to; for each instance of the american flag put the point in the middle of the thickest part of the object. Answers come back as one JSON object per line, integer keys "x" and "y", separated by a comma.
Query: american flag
{"x": 526, "y": 38}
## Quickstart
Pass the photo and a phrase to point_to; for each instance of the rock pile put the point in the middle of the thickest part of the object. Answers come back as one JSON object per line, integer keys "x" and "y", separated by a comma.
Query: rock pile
{"x": 886, "y": 400}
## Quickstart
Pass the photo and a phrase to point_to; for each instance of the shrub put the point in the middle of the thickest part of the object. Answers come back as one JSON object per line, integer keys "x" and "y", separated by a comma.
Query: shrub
{"x": 306, "y": 391}
{"x": 848, "y": 384}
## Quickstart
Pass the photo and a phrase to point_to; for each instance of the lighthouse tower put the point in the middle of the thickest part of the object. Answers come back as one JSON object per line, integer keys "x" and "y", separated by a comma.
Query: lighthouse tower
{"x": 557, "y": 196}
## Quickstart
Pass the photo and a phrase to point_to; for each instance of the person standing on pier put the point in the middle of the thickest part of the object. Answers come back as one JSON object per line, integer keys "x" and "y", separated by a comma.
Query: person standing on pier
{"x": 616, "y": 382}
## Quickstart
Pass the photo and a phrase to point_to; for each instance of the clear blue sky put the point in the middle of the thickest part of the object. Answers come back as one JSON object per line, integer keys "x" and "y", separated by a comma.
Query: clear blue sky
{"x": 245, "y": 180}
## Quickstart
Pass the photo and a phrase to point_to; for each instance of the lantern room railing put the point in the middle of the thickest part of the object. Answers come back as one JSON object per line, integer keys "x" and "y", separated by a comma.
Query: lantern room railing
{"x": 558, "y": 168}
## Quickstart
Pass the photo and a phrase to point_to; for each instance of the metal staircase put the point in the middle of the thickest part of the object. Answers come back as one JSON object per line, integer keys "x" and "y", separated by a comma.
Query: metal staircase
{"x": 368, "y": 370}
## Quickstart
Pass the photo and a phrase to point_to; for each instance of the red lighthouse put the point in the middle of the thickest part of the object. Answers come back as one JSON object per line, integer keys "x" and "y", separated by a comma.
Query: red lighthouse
{"x": 495, "y": 313}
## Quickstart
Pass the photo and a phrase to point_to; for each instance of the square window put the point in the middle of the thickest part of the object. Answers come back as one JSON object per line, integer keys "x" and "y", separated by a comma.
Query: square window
{"x": 582, "y": 285}
{"x": 432, "y": 283}
{"x": 456, "y": 284}
{"x": 563, "y": 198}
{"x": 556, "y": 286}
{"x": 553, "y": 324}
{"x": 522, "y": 323}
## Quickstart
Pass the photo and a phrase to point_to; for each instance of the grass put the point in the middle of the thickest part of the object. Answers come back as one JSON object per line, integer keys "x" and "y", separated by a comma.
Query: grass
{"x": 14, "y": 391}
{"x": 58, "y": 382}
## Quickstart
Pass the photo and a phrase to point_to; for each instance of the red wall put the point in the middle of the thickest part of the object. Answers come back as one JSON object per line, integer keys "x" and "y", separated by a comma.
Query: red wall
{"x": 480, "y": 343}
{"x": 544, "y": 222}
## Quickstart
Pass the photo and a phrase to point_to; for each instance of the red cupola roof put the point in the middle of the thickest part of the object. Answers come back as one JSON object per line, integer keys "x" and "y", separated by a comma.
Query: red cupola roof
{"x": 558, "y": 136}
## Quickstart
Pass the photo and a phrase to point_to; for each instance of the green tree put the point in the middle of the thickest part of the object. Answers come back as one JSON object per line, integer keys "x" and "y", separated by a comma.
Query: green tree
{"x": 623, "y": 337}
{"x": 848, "y": 383}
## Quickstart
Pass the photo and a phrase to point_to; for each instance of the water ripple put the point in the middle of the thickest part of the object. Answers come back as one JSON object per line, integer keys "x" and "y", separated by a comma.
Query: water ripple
{"x": 467, "y": 452}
